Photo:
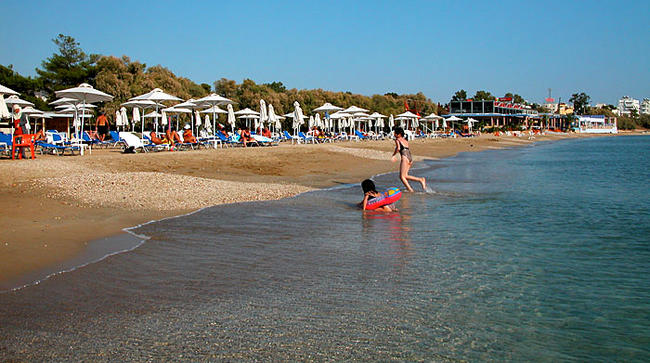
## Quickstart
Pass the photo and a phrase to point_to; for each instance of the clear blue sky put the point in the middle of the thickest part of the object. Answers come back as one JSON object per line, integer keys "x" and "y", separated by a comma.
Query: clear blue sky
{"x": 598, "y": 47}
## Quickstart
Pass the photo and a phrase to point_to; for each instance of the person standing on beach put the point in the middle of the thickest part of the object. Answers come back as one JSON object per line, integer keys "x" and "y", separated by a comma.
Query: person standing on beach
{"x": 402, "y": 147}
{"x": 101, "y": 126}
{"x": 20, "y": 123}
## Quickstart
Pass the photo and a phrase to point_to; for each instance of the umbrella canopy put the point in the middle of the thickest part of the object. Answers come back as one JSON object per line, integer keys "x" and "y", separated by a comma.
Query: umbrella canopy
{"x": 85, "y": 93}
{"x": 15, "y": 100}
{"x": 153, "y": 114}
{"x": 213, "y": 99}
{"x": 377, "y": 115}
{"x": 213, "y": 109}
{"x": 454, "y": 119}
{"x": 317, "y": 121}
{"x": 156, "y": 94}
{"x": 176, "y": 109}
{"x": 142, "y": 104}
{"x": 77, "y": 106}
{"x": 391, "y": 121}
{"x": 7, "y": 91}
{"x": 29, "y": 110}
{"x": 246, "y": 111}
{"x": 244, "y": 117}
{"x": 408, "y": 114}
{"x": 136, "y": 115}
{"x": 354, "y": 109}
{"x": 191, "y": 104}
{"x": 64, "y": 101}
{"x": 338, "y": 115}
{"x": 433, "y": 116}
{"x": 327, "y": 107}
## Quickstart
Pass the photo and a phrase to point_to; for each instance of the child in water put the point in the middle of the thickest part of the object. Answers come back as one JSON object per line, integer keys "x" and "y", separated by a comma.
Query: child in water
{"x": 370, "y": 192}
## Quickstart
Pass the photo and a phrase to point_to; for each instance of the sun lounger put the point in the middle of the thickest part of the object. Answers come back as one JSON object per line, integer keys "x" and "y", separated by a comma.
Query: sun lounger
{"x": 360, "y": 135}
{"x": 264, "y": 141}
{"x": 56, "y": 149}
{"x": 305, "y": 138}
{"x": 288, "y": 137}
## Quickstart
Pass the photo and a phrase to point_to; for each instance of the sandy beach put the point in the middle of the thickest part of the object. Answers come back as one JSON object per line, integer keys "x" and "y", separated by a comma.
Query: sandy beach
{"x": 52, "y": 206}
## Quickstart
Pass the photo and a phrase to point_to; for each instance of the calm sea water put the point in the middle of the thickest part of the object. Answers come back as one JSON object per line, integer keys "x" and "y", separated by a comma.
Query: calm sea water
{"x": 532, "y": 254}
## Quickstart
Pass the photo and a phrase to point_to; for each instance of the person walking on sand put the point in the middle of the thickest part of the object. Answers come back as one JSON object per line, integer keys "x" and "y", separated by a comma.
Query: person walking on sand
{"x": 402, "y": 147}
{"x": 101, "y": 126}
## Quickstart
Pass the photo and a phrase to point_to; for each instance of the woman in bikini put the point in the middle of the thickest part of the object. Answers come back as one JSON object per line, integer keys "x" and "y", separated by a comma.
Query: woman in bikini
{"x": 402, "y": 147}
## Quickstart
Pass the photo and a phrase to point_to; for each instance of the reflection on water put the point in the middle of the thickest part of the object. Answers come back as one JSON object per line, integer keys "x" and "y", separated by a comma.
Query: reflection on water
{"x": 489, "y": 267}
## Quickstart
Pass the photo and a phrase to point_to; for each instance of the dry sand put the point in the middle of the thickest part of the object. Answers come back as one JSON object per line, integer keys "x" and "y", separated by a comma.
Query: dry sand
{"x": 50, "y": 207}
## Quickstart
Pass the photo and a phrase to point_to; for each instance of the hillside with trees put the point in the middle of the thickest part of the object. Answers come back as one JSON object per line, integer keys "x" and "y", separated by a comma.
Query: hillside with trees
{"x": 124, "y": 78}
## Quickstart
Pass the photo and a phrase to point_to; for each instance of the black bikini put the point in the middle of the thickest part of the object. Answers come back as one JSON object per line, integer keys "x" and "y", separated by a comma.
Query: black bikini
{"x": 405, "y": 152}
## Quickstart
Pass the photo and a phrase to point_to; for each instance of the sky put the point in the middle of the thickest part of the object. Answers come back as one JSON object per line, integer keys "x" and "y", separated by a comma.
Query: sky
{"x": 601, "y": 48}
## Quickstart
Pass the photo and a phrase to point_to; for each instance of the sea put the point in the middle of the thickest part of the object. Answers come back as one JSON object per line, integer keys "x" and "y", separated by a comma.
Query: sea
{"x": 539, "y": 253}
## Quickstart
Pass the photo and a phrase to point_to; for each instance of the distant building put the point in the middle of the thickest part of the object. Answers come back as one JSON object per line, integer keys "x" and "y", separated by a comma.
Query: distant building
{"x": 645, "y": 107}
{"x": 628, "y": 104}
{"x": 41, "y": 94}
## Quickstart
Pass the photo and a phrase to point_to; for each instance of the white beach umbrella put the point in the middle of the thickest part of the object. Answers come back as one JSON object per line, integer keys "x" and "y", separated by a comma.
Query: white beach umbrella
{"x": 64, "y": 101}
{"x": 213, "y": 99}
{"x": 231, "y": 117}
{"x": 214, "y": 110}
{"x": 271, "y": 118}
{"x": 354, "y": 109}
{"x": 310, "y": 123}
{"x": 297, "y": 116}
{"x": 125, "y": 118}
{"x": 118, "y": 118}
{"x": 156, "y": 95}
{"x": 391, "y": 121}
{"x": 15, "y": 100}
{"x": 317, "y": 121}
{"x": 136, "y": 115}
{"x": 207, "y": 123}
{"x": 86, "y": 94}
{"x": 327, "y": 107}
{"x": 7, "y": 91}
{"x": 247, "y": 111}
{"x": 163, "y": 116}
{"x": 4, "y": 111}
{"x": 263, "y": 114}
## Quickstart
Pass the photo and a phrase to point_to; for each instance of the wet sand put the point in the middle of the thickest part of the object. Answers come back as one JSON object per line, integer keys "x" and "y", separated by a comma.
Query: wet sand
{"x": 52, "y": 206}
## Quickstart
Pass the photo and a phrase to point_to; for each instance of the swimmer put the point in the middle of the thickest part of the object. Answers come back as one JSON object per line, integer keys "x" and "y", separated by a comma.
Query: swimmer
{"x": 369, "y": 193}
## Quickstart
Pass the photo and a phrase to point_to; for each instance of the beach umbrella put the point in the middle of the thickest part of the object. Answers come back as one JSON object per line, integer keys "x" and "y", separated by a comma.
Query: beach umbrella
{"x": 30, "y": 111}
{"x": 215, "y": 110}
{"x": 125, "y": 118}
{"x": 7, "y": 91}
{"x": 263, "y": 114}
{"x": 4, "y": 111}
{"x": 327, "y": 107}
{"x": 297, "y": 116}
{"x": 271, "y": 118}
{"x": 15, "y": 100}
{"x": 213, "y": 99}
{"x": 317, "y": 121}
{"x": 231, "y": 117}
{"x": 86, "y": 94}
{"x": 118, "y": 119}
{"x": 310, "y": 123}
{"x": 156, "y": 95}
{"x": 354, "y": 109}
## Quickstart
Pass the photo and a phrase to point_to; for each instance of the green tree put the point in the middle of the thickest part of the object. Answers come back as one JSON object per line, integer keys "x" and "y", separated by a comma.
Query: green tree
{"x": 26, "y": 86}
{"x": 580, "y": 102}
{"x": 483, "y": 96}
{"x": 67, "y": 68}
{"x": 515, "y": 97}
{"x": 459, "y": 95}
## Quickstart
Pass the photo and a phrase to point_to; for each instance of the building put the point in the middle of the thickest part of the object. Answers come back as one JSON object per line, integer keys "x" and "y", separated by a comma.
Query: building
{"x": 500, "y": 112}
{"x": 645, "y": 107}
{"x": 596, "y": 124}
{"x": 628, "y": 104}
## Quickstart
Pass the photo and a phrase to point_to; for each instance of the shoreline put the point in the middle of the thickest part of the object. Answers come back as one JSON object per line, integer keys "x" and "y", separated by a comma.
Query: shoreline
{"x": 73, "y": 239}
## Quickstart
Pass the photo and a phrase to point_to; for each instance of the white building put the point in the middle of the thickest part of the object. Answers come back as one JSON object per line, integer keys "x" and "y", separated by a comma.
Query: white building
{"x": 645, "y": 107}
{"x": 627, "y": 104}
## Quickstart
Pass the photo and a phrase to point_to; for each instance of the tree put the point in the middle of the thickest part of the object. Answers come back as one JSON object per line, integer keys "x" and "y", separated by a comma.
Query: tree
{"x": 69, "y": 67}
{"x": 515, "y": 97}
{"x": 580, "y": 102}
{"x": 459, "y": 95}
{"x": 26, "y": 86}
{"x": 483, "y": 96}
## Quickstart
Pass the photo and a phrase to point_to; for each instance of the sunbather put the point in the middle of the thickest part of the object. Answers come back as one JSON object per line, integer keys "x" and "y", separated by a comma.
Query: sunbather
{"x": 156, "y": 140}
{"x": 173, "y": 136}
{"x": 246, "y": 136}
{"x": 187, "y": 135}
